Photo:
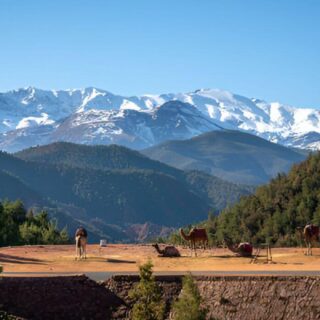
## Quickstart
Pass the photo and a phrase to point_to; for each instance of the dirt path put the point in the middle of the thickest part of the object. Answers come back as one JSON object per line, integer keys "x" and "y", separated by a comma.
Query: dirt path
{"x": 126, "y": 258}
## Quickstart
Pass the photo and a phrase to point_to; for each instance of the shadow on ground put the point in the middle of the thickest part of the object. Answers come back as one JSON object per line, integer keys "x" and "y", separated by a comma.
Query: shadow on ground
{"x": 6, "y": 258}
{"x": 120, "y": 261}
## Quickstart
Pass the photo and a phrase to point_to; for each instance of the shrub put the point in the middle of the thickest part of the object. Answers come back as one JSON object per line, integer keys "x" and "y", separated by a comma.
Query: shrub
{"x": 187, "y": 307}
{"x": 147, "y": 295}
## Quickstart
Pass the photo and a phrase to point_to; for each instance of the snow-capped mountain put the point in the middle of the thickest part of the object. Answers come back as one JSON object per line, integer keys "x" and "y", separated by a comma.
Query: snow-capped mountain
{"x": 31, "y": 116}
{"x": 31, "y": 107}
{"x": 132, "y": 128}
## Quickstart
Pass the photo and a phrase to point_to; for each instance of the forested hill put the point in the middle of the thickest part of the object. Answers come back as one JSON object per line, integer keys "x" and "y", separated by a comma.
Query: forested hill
{"x": 117, "y": 196}
{"x": 214, "y": 192}
{"x": 274, "y": 211}
{"x": 94, "y": 157}
{"x": 81, "y": 184}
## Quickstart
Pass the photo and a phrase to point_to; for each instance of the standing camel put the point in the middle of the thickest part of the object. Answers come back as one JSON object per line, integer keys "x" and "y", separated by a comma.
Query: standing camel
{"x": 168, "y": 251}
{"x": 196, "y": 235}
{"x": 81, "y": 237}
{"x": 243, "y": 249}
{"x": 309, "y": 233}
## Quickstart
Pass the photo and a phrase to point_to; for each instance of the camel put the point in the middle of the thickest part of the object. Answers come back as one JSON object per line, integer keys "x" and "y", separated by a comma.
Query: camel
{"x": 196, "y": 235}
{"x": 309, "y": 233}
{"x": 81, "y": 247}
{"x": 81, "y": 237}
{"x": 243, "y": 249}
{"x": 168, "y": 251}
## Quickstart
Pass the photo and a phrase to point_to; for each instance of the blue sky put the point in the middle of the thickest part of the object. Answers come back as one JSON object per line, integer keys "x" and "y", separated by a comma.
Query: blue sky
{"x": 266, "y": 49}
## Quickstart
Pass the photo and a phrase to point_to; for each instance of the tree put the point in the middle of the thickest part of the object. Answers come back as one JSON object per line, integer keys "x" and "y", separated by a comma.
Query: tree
{"x": 188, "y": 305}
{"x": 30, "y": 233}
{"x": 17, "y": 226}
{"x": 12, "y": 214}
{"x": 147, "y": 295}
{"x": 39, "y": 229}
{"x": 64, "y": 236}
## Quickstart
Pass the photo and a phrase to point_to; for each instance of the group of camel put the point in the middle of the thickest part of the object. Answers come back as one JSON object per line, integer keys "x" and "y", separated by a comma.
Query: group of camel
{"x": 196, "y": 236}
{"x": 199, "y": 237}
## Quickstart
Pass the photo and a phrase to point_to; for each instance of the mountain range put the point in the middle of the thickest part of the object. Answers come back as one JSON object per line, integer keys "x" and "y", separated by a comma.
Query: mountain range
{"x": 111, "y": 190}
{"x": 31, "y": 116}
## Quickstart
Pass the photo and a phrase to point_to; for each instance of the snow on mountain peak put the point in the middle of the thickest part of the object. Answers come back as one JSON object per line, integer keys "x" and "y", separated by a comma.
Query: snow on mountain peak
{"x": 31, "y": 107}
{"x": 34, "y": 121}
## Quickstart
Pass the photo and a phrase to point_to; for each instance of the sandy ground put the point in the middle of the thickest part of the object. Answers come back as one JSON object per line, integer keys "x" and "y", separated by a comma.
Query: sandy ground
{"x": 124, "y": 257}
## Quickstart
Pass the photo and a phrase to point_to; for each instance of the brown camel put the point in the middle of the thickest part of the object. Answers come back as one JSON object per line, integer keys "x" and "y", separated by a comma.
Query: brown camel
{"x": 309, "y": 233}
{"x": 168, "y": 251}
{"x": 243, "y": 249}
{"x": 196, "y": 235}
{"x": 81, "y": 247}
{"x": 81, "y": 237}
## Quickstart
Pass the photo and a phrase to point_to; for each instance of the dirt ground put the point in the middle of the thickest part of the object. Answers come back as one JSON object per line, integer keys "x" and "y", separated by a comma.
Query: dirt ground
{"x": 125, "y": 258}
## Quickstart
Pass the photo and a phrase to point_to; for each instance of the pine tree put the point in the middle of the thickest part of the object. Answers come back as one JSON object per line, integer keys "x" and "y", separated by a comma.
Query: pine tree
{"x": 187, "y": 307}
{"x": 147, "y": 294}
{"x": 64, "y": 236}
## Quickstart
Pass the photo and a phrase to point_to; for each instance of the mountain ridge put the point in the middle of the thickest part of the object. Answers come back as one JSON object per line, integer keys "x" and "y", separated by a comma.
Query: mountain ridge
{"x": 231, "y": 155}
{"x": 32, "y": 116}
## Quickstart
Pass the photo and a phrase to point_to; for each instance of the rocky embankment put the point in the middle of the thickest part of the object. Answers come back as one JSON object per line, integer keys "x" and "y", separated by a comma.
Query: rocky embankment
{"x": 77, "y": 297}
{"x": 74, "y": 297}
{"x": 254, "y": 298}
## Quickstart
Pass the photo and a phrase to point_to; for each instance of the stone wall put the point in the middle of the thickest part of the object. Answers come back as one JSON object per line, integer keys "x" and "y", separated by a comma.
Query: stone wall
{"x": 77, "y": 297}
{"x": 238, "y": 298}
{"x": 74, "y": 297}
{"x": 259, "y": 298}
{"x": 121, "y": 285}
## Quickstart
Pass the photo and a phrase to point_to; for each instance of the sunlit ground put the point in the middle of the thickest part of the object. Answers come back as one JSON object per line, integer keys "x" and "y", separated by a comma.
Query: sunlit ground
{"x": 124, "y": 257}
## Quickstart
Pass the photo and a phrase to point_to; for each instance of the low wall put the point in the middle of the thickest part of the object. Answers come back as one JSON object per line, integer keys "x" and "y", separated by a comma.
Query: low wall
{"x": 230, "y": 297}
{"x": 121, "y": 285}
{"x": 72, "y": 297}
{"x": 258, "y": 298}
{"x": 250, "y": 298}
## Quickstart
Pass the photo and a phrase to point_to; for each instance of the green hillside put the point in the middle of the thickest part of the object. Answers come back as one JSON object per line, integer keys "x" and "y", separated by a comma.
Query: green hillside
{"x": 94, "y": 157}
{"x": 231, "y": 155}
{"x": 274, "y": 211}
